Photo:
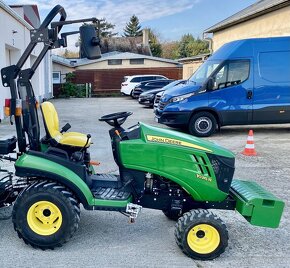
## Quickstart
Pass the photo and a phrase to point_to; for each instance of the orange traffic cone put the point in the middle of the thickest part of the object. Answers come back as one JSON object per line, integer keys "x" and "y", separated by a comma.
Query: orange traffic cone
{"x": 250, "y": 146}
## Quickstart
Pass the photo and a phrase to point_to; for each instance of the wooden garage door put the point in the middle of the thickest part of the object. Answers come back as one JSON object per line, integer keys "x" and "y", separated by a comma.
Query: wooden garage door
{"x": 111, "y": 79}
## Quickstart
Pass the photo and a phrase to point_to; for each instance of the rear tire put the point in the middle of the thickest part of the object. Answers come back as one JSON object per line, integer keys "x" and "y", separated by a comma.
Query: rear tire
{"x": 5, "y": 192}
{"x": 201, "y": 235}
{"x": 46, "y": 215}
{"x": 202, "y": 124}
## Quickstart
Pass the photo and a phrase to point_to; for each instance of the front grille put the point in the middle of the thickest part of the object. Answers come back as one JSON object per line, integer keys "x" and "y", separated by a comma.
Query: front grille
{"x": 137, "y": 92}
{"x": 157, "y": 99}
{"x": 223, "y": 168}
{"x": 161, "y": 105}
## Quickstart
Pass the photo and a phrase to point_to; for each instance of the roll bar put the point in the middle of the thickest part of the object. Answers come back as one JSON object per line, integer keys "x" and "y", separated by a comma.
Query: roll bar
{"x": 49, "y": 37}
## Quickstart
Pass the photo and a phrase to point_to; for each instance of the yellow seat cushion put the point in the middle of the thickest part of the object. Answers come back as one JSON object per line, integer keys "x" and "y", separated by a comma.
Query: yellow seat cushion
{"x": 51, "y": 123}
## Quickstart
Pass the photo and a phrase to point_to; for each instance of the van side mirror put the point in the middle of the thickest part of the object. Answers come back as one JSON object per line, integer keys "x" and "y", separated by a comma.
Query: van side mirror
{"x": 210, "y": 84}
{"x": 90, "y": 43}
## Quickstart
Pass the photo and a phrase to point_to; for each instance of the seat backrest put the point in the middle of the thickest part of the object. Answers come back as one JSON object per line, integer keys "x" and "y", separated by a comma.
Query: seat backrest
{"x": 50, "y": 120}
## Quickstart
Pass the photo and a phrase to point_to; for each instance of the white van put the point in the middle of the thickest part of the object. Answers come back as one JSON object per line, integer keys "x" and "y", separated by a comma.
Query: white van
{"x": 129, "y": 82}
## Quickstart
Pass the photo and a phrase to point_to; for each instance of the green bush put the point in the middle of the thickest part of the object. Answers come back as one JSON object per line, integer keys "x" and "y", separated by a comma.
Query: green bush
{"x": 71, "y": 89}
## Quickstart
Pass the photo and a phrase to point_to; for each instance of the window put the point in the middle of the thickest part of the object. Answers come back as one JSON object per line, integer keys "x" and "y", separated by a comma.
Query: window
{"x": 232, "y": 73}
{"x": 136, "y": 79}
{"x": 148, "y": 78}
{"x": 274, "y": 66}
{"x": 115, "y": 62}
{"x": 136, "y": 61}
{"x": 56, "y": 77}
{"x": 204, "y": 71}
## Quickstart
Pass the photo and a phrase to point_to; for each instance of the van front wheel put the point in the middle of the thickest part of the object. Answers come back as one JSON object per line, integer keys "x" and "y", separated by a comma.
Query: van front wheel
{"x": 202, "y": 124}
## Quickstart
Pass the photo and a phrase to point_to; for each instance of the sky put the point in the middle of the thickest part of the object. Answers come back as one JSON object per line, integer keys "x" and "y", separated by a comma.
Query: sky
{"x": 169, "y": 18}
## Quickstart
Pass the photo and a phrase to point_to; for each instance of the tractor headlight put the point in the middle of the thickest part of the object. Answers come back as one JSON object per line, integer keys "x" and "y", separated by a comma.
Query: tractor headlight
{"x": 181, "y": 97}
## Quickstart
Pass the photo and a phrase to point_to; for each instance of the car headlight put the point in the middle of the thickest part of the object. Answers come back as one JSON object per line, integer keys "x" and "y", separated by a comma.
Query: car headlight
{"x": 181, "y": 97}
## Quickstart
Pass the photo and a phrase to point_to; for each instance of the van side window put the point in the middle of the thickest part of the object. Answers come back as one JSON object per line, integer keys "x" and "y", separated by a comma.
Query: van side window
{"x": 274, "y": 66}
{"x": 231, "y": 74}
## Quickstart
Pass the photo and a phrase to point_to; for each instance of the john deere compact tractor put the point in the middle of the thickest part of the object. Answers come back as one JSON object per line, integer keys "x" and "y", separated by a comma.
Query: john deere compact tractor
{"x": 158, "y": 168}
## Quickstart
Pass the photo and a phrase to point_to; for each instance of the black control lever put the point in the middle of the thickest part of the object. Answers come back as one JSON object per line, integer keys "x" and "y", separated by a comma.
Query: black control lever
{"x": 88, "y": 139}
{"x": 65, "y": 128}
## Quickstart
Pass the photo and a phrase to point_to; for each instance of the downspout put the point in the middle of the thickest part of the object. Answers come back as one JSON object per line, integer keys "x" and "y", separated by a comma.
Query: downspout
{"x": 210, "y": 42}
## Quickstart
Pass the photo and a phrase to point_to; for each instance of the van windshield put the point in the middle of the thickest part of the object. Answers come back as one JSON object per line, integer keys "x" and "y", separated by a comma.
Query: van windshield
{"x": 204, "y": 71}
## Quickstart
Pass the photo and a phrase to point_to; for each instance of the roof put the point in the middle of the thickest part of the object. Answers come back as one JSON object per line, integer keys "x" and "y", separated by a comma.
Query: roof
{"x": 257, "y": 9}
{"x": 30, "y": 14}
{"x": 11, "y": 12}
{"x": 195, "y": 58}
{"x": 63, "y": 61}
{"x": 108, "y": 56}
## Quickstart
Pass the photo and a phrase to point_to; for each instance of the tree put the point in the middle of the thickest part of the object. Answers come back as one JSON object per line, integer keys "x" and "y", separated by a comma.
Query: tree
{"x": 106, "y": 28}
{"x": 133, "y": 27}
{"x": 170, "y": 50}
{"x": 155, "y": 46}
{"x": 189, "y": 46}
{"x": 68, "y": 54}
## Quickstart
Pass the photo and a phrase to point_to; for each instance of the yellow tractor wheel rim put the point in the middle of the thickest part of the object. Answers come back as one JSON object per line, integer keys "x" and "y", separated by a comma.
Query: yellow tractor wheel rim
{"x": 44, "y": 218}
{"x": 203, "y": 238}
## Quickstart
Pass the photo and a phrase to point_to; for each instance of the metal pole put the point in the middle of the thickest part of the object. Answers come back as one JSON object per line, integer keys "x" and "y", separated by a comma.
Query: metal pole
{"x": 87, "y": 90}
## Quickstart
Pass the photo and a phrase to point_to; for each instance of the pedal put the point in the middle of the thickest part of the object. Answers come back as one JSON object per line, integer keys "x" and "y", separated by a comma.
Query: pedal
{"x": 133, "y": 210}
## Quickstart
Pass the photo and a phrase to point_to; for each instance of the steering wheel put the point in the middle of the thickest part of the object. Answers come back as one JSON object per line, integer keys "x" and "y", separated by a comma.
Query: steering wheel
{"x": 116, "y": 119}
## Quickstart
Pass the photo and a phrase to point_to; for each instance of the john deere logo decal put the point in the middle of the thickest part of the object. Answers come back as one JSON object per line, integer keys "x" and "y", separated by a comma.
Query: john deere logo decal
{"x": 165, "y": 140}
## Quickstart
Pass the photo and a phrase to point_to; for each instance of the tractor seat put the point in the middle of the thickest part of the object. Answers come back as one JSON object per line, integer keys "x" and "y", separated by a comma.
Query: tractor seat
{"x": 51, "y": 124}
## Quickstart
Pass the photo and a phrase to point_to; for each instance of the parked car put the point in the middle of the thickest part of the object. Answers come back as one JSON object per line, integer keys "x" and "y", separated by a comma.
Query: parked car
{"x": 129, "y": 82}
{"x": 157, "y": 99}
{"x": 148, "y": 85}
{"x": 147, "y": 97}
{"x": 244, "y": 82}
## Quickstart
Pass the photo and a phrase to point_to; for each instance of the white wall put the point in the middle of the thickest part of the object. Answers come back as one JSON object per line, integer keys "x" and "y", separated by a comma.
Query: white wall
{"x": 12, "y": 45}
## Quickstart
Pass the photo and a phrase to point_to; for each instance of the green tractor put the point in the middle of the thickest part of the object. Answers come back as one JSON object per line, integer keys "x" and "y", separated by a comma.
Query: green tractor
{"x": 158, "y": 168}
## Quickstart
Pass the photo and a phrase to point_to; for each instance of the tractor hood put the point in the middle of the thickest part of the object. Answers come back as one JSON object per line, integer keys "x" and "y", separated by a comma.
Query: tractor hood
{"x": 180, "y": 90}
{"x": 164, "y": 136}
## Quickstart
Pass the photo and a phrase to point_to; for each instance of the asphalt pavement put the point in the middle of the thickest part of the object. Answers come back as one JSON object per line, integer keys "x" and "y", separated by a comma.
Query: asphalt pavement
{"x": 106, "y": 239}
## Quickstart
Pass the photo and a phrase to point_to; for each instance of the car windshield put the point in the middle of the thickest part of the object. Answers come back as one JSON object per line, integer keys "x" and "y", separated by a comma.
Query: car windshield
{"x": 204, "y": 71}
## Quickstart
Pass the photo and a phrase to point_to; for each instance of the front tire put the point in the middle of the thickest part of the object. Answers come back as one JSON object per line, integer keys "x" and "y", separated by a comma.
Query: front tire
{"x": 202, "y": 124}
{"x": 46, "y": 215}
{"x": 201, "y": 235}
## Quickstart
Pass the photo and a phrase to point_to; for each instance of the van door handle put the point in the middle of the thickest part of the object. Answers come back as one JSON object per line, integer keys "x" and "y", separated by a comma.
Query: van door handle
{"x": 249, "y": 94}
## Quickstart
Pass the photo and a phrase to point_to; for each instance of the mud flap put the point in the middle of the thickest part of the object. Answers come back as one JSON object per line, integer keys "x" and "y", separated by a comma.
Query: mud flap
{"x": 257, "y": 205}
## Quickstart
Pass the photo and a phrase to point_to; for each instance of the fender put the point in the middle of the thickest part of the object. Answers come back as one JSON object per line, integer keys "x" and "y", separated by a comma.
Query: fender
{"x": 33, "y": 166}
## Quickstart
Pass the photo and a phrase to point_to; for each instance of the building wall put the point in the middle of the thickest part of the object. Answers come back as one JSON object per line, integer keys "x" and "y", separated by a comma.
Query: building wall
{"x": 125, "y": 64}
{"x": 190, "y": 67}
{"x": 12, "y": 46}
{"x": 272, "y": 24}
{"x": 62, "y": 69}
